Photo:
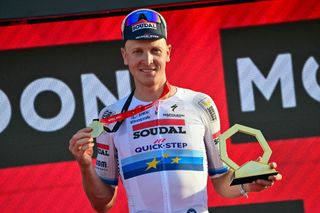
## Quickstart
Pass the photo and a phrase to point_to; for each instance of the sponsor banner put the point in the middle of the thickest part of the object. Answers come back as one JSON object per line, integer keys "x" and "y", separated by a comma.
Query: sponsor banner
{"x": 198, "y": 50}
{"x": 273, "y": 79}
{"x": 48, "y": 93}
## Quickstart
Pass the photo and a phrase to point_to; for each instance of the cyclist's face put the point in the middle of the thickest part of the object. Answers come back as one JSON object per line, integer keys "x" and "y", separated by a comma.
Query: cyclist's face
{"x": 147, "y": 60}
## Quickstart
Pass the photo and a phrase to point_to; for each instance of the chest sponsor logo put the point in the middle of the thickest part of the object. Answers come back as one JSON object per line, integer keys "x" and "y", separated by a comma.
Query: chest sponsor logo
{"x": 176, "y": 110}
{"x": 157, "y": 146}
{"x": 140, "y": 117}
{"x": 173, "y": 115}
{"x": 160, "y": 126}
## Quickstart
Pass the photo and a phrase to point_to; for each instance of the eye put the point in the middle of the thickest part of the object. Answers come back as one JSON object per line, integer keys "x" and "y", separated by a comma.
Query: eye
{"x": 156, "y": 51}
{"x": 137, "y": 51}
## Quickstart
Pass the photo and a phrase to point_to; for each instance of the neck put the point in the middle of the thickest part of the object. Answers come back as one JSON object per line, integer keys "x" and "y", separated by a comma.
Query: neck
{"x": 149, "y": 93}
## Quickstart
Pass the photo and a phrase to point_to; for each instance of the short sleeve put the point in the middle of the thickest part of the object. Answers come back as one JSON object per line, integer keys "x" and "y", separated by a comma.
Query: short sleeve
{"x": 210, "y": 117}
{"x": 107, "y": 160}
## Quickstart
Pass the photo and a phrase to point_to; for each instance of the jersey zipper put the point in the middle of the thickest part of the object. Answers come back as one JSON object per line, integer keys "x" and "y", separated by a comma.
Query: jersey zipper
{"x": 164, "y": 176}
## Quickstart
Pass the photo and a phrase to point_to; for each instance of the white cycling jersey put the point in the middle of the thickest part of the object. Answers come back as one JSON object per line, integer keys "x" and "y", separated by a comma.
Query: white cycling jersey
{"x": 163, "y": 154}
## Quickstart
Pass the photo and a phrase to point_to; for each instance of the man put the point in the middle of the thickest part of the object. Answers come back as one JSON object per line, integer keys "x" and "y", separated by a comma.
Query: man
{"x": 162, "y": 140}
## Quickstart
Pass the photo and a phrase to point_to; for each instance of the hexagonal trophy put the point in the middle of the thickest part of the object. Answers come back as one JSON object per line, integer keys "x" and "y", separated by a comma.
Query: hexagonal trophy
{"x": 251, "y": 170}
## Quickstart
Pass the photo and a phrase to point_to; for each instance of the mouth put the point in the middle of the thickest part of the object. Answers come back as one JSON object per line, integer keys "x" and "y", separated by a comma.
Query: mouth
{"x": 148, "y": 70}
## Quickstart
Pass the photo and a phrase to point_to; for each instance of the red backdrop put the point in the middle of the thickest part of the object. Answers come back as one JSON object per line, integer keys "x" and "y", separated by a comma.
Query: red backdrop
{"x": 195, "y": 37}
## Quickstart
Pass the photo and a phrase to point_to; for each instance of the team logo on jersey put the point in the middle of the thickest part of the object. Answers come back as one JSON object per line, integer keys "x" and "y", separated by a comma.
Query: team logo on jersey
{"x": 160, "y": 126}
{"x": 173, "y": 115}
{"x": 103, "y": 149}
{"x": 216, "y": 137}
{"x": 173, "y": 107}
{"x": 206, "y": 103}
{"x": 156, "y": 146}
{"x": 108, "y": 113}
{"x": 145, "y": 115}
{"x": 192, "y": 210}
{"x": 101, "y": 164}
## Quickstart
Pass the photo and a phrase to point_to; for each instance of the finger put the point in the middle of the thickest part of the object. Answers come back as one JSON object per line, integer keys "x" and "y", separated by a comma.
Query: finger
{"x": 82, "y": 133}
{"x": 77, "y": 146}
{"x": 87, "y": 146}
{"x": 84, "y": 141}
{"x": 264, "y": 183}
{"x": 275, "y": 177}
{"x": 82, "y": 146}
{"x": 86, "y": 129}
{"x": 273, "y": 165}
{"x": 78, "y": 136}
{"x": 256, "y": 187}
{"x": 259, "y": 159}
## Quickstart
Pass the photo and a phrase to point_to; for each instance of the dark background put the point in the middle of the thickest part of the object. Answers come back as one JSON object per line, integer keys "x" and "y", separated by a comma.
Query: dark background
{"x": 65, "y": 63}
{"x": 261, "y": 44}
{"x": 15, "y": 10}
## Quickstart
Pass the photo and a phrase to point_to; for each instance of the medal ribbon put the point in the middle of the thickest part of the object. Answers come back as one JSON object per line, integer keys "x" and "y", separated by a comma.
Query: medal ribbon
{"x": 127, "y": 114}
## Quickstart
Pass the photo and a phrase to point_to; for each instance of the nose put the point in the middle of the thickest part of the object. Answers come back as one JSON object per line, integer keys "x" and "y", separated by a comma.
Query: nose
{"x": 148, "y": 58}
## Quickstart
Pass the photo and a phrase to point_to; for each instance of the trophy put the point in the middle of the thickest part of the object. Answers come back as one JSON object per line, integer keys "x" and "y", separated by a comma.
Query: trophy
{"x": 251, "y": 170}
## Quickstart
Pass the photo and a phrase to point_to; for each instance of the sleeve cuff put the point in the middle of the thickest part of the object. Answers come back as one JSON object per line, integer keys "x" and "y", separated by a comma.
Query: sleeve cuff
{"x": 111, "y": 182}
{"x": 217, "y": 172}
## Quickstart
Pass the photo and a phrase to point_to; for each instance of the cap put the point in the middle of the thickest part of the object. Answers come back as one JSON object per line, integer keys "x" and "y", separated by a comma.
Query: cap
{"x": 143, "y": 24}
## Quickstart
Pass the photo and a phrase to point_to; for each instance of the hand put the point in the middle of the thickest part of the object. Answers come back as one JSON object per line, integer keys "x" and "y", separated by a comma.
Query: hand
{"x": 260, "y": 184}
{"x": 80, "y": 145}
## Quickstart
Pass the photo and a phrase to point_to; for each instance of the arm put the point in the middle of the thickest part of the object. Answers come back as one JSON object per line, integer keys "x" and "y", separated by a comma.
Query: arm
{"x": 222, "y": 184}
{"x": 100, "y": 195}
{"x": 218, "y": 172}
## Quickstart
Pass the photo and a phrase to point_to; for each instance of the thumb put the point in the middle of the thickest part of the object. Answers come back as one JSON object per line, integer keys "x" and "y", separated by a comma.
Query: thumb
{"x": 259, "y": 159}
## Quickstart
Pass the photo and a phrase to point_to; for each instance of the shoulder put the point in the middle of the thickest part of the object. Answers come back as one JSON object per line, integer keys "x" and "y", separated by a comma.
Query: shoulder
{"x": 202, "y": 102}
{"x": 198, "y": 98}
{"x": 113, "y": 108}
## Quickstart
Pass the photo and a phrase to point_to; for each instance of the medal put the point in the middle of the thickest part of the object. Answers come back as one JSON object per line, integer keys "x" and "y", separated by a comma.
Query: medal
{"x": 97, "y": 125}
{"x": 97, "y": 128}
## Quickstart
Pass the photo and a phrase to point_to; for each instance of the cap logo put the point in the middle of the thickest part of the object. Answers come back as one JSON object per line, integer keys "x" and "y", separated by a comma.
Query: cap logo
{"x": 146, "y": 25}
{"x": 147, "y": 36}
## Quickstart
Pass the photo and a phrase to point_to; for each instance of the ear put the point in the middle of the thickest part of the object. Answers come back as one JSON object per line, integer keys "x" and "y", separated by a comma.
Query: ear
{"x": 124, "y": 56}
{"x": 168, "y": 52}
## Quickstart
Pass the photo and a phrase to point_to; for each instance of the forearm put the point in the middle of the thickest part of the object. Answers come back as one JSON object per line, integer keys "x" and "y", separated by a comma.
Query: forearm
{"x": 98, "y": 193}
{"x": 222, "y": 186}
